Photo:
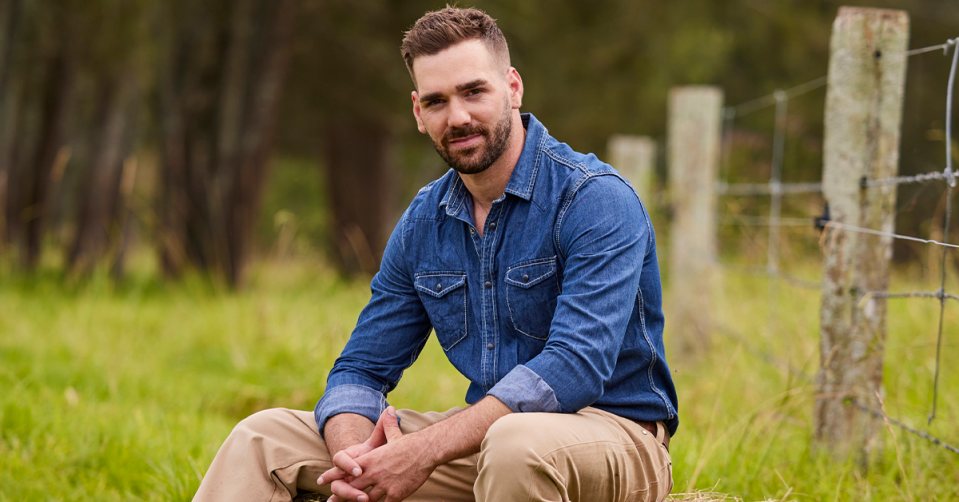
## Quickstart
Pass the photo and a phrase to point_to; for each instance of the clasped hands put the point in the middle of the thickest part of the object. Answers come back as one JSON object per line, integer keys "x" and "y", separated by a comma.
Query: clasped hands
{"x": 388, "y": 464}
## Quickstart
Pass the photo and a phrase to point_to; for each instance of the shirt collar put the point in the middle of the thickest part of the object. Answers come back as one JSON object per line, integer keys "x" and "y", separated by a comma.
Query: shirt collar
{"x": 524, "y": 173}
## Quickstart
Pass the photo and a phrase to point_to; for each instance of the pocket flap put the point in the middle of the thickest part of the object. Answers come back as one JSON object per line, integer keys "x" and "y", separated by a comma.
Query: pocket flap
{"x": 531, "y": 273}
{"x": 438, "y": 284}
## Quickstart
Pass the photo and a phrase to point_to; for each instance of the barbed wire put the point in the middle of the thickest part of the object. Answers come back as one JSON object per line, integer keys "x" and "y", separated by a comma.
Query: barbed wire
{"x": 939, "y": 295}
{"x": 946, "y": 175}
{"x": 925, "y": 435}
{"x": 771, "y": 359}
{"x": 853, "y": 228}
{"x": 768, "y": 100}
{"x": 723, "y": 188}
{"x": 762, "y": 221}
{"x": 776, "y": 189}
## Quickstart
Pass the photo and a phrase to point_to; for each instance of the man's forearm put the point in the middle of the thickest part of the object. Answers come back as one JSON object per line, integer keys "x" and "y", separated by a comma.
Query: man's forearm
{"x": 462, "y": 434}
{"x": 345, "y": 430}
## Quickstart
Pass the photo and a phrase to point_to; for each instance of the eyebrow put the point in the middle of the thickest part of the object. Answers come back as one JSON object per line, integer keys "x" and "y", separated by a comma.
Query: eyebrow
{"x": 459, "y": 88}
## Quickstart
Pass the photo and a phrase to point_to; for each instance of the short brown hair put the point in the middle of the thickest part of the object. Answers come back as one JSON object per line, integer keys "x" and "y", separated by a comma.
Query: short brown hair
{"x": 441, "y": 29}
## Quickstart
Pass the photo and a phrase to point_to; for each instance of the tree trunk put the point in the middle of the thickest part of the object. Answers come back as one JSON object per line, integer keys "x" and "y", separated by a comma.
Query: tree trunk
{"x": 36, "y": 181}
{"x": 174, "y": 204}
{"x": 216, "y": 156}
{"x": 9, "y": 111}
{"x": 98, "y": 202}
{"x": 360, "y": 174}
{"x": 256, "y": 140}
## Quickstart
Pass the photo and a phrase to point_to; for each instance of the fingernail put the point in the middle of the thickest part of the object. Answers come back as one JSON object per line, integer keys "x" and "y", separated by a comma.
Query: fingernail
{"x": 391, "y": 411}
{"x": 319, "y": 481}
{"x": 361, "y": 498}
{"x": 357, "y": 471}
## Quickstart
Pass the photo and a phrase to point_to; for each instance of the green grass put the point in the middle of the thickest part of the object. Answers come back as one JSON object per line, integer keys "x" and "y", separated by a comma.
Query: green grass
{"x": 125, "y": 392}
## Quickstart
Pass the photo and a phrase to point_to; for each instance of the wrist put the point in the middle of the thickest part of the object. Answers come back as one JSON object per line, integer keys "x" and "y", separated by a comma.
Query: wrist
{"x": 345, "y": 430}
{"x": 429, "y": 448}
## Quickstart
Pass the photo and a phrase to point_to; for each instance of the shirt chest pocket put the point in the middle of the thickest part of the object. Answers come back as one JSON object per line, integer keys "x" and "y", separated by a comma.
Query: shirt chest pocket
{"x": 444, "y": 297}
{"x": 531, "y": 291}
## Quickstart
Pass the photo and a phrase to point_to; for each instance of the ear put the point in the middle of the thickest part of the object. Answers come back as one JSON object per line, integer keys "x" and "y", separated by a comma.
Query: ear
{"x": 515, "y": 88}
{"x": 417, "y": 111}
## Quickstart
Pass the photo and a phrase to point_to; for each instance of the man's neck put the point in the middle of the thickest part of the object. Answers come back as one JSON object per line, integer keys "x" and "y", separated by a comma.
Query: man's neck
{"x": 489, "y": 185}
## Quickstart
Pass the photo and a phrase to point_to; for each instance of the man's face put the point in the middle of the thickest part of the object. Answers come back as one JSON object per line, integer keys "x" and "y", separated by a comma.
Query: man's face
{"x": 464, "y": 101}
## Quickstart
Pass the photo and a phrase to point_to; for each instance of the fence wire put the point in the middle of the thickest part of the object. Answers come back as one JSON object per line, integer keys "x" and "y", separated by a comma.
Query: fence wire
{"x": 773, "y": 360}
{"x": 852, "y": 228}
{"x": 945, "y": 230}
{"x": 946, "y": 175}
{"x": 944, "y": 46}
{"x": 939, "y": 295}
{"x": 754, "y": 105}
{"x": 723, "y": 188}
{"x": 776, "y": 189}
{"x": 762, "y": 221}
{"x": 777, "y": 274}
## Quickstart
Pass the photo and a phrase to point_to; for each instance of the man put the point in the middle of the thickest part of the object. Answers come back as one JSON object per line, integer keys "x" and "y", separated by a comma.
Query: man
{"x": 536, "y": 268}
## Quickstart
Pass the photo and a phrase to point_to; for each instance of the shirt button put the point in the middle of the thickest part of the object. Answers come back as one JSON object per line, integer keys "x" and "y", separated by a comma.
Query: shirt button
{"x": 472, "y": 230}
{"x": 439, "y": 287}
{"x": 489, "y": 346}
{"x": 489, "y": 285}
{"x": 525, "y": 278}
{"x": 492, "y": 225}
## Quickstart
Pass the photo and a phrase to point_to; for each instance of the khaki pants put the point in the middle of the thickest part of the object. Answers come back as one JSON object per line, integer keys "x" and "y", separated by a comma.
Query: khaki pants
{"x": 590, "y": 456}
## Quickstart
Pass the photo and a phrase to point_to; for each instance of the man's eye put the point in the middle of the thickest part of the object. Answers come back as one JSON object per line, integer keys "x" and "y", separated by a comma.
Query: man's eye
{"x": 473, "y": 92}
{"x": 434, "y": 103}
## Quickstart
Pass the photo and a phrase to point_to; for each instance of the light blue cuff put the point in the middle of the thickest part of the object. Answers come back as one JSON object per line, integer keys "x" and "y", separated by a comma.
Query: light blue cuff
{"x": 525, "y": 391}
{"x": 349, "y": 398}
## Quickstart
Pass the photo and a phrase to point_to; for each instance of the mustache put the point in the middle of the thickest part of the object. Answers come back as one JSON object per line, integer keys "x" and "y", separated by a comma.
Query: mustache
{"x": 462, "y": 132}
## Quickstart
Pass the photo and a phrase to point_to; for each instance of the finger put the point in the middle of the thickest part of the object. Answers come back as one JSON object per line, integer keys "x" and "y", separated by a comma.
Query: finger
{"x": 344, "y": 461}
{"x": 378, "y": 438}
{"x": 377, "y": 494}
{"x": 330, "y": 476}
{"x": 345, "y": 492}
{"x": 391, "y": 427}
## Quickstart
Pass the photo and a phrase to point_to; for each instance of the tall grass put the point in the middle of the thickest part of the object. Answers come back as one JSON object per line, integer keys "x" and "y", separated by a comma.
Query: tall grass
{"x": 125, "y": 392}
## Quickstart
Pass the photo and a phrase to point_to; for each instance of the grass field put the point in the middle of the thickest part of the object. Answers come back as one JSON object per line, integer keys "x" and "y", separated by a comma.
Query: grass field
{"x": 125, "y": 392}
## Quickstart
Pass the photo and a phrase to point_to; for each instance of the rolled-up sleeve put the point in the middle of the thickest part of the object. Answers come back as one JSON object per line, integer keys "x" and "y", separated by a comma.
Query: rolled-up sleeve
{"x": 389, "y": 335}
{"x": 349, "y": 398}
{"x": 603, "y": 235}
{"x": 522, "y": 390}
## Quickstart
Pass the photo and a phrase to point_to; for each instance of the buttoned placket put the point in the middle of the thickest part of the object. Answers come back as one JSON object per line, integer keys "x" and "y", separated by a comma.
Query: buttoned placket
{"x": 489, "y": 244}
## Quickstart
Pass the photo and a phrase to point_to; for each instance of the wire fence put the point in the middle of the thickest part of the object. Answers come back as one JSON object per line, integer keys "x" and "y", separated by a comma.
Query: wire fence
{"x": 776, "y": 189}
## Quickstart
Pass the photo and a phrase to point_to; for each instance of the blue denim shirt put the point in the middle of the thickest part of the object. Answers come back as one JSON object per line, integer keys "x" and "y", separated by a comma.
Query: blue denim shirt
{"x": 557, "y": 306}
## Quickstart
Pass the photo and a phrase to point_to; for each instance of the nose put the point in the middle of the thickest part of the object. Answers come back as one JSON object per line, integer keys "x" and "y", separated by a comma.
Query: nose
{"x": 459, "y": 116}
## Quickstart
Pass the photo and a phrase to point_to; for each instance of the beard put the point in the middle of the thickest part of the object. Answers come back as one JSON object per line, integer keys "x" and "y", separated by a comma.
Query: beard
{"x": 478, "y": 158}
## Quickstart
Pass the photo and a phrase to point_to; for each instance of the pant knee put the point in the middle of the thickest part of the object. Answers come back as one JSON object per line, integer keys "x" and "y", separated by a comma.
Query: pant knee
{"x": 258, "y": 425}
{"x": 507, "y": 445}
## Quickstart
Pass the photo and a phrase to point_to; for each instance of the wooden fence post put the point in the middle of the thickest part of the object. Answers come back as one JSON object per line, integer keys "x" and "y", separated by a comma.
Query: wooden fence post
{"x": 635, "y": 158}
{"x": 867, "y": 68}
{"x": 694, "y": 128}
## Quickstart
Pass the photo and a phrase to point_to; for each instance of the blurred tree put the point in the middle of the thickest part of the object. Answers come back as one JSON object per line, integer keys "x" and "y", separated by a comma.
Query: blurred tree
{"x": 86, "y": 84}
{"x": 348, "y": 53}
{"x": 9, "y": 26}
{"x": 36, "y": 96}
{"x": 224, "y": 66}
{"x": 112, "y": 57}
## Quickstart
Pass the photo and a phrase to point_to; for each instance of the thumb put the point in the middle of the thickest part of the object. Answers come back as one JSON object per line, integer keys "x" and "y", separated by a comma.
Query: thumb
{"x": 391, "y": 426}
